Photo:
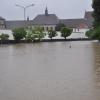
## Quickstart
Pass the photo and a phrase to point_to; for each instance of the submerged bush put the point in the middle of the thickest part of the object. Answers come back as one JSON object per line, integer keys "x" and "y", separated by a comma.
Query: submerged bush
{"x": 4, "y": 36}
{"x": 35, "y": 33}
{"x": 19, "y": 33}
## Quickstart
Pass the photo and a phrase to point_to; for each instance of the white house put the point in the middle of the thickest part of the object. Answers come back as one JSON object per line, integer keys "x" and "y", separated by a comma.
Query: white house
{"x": 49, "y": 21}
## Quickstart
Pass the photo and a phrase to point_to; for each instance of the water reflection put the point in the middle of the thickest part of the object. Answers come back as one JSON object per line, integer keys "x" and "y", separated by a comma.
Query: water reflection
{"x": 49, "y": 71}
{"x": 97, "y": 62}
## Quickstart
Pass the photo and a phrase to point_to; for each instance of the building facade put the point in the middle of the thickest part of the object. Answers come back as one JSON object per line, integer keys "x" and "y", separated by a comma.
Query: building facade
{"x": 2, "y": 23}
{"x": 49, "y": 21}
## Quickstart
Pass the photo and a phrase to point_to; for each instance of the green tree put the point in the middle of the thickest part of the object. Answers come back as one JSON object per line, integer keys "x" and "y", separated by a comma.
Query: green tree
{"x": 65, "y": 32}
{"x": 4, "y": 36}
{"x": 35, "y": 33}
{"x": 38, "y": 32}
{"x": 96, "y": 12}
{"x": 52, "y": 33}
{"x": 89, "y": 33}
{"x": 60, "y": 26}
{"x": 30, "y": 36}
{"x": 19, "y": 33}
{"x": 94, "y": 33}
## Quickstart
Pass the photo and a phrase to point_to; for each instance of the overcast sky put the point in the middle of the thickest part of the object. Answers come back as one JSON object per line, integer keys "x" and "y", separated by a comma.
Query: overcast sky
{"x": 62, "y": 8}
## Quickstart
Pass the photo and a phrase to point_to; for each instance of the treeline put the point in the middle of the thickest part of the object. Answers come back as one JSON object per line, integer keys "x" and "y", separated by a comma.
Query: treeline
{"x": 36, "y": 33}
{"x": 94, "y": 32}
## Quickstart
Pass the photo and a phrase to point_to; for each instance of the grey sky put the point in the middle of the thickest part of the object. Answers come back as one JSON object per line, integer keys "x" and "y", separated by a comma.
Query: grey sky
{"x": 62, "y": 8}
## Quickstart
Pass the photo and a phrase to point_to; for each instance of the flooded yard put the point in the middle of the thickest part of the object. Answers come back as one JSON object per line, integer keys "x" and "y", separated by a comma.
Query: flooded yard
{"x": 50, "y": 71}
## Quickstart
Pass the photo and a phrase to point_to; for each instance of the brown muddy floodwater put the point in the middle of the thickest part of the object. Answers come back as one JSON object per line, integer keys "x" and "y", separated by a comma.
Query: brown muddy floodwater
{"x": 50, "y": 71}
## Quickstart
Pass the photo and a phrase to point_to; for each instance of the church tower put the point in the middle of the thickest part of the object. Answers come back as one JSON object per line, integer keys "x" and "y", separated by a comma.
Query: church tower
{"x": 46, "y": 12}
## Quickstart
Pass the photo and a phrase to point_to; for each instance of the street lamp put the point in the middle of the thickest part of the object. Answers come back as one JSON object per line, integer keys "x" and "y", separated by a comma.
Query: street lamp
{"x": 24, "y": 8}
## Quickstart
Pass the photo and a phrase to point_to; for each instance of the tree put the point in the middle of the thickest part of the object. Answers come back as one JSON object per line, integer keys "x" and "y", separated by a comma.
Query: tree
{"x": 38, "y": 32}
{"x": 94, "y": 33}
{"x": 52, "y": 33}
{"x": 35, "y": 33}
{"x": 65, "y": 32}
{"x": 4, "y": 36}
{"x": 19, "y": 33}
{"x": 30, "y": 36}
{"x": 89, "y": 33}
{"x": 60, "y": 26}
{"x": 96, "y": 12}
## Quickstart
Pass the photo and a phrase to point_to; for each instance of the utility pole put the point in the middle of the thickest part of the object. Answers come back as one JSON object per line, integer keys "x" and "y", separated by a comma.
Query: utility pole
{"x": 24, "y": 8}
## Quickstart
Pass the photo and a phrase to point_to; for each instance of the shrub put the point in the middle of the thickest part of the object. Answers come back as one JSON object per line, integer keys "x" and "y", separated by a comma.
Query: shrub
{"x": 52, "y": 34}
{"x": 94, "y": 33}
{"x": 19, "y": 33}
{"x": 65, "y": 32}
{"x": 30, "y": 36}
{"x": 35, "y": 33}
{"x": 89, "y": 33}
{"x": 38, "y": 33}
{"x": 4, "y": 36}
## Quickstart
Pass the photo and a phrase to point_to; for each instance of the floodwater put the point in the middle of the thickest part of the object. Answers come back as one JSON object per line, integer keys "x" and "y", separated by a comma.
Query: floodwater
{"x": 50, "y": 71}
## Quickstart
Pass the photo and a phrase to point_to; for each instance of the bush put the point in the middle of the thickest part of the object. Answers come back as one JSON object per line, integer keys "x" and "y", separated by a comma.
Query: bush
{"x": 19, "y": 33}
{"x": 4, "y": 36}
{"x": 52, "y": 34}
{"x": 30, "y": 36}
{"x": 38, "y": 33}
{"x": 65, "y": 32}
{"x": 35, "y": 34}
{"x": 94, "y": 33}
{"x": 89, "y": 33}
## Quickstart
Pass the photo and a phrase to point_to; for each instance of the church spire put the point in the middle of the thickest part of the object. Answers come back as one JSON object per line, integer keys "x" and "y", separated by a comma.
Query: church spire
{"x": 46, "y": 11}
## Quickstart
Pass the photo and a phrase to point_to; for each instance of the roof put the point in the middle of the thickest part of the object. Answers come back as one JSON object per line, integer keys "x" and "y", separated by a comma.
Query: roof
{"x": 18, "y": 24}
{"x": 1, "y": 18}
{"x": 50, "y": 19}
{"x": 73, "y": 23}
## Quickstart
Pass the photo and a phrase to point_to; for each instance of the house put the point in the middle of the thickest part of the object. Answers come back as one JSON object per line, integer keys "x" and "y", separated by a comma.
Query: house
{"x": 47, "y": 21}
{"x": 2, "y": 23}
{"x": 75, "y": 24}
{"x": 18, "y": 24}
